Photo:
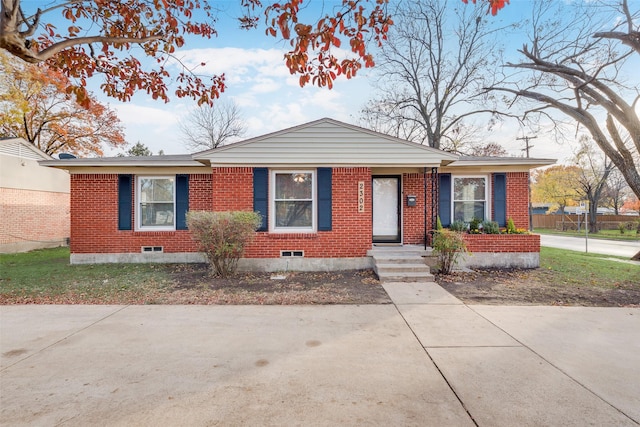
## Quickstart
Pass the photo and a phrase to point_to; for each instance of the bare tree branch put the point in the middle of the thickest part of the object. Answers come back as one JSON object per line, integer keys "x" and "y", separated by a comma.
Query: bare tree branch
{"x": 208, "y": 127}
{"x": 581, "y": 78}
{"x": 432, "y": 71}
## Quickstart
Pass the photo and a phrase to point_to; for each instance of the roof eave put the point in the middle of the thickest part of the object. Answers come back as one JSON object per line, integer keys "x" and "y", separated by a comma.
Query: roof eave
{"x": 70, "y": 164}
{"x": 531, "y": 163}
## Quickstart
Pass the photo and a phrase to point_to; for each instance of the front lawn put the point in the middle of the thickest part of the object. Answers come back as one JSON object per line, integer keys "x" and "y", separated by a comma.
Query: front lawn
{"x": 564, "y": 278}
{"x": 45, "y": 277}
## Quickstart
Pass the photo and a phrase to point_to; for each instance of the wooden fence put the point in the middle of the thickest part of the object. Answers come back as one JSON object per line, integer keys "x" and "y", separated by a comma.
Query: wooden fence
{"x": 575, "y": 222}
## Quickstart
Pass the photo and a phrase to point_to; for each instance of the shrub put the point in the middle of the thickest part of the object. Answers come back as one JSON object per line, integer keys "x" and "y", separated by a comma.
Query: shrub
{"x": 490, "y": 227}
{"x": 448, "y": 246}
{"x": 511, "y": 226}
{"x": 475, "y": 226}
{"x": 458, "y": 226}
{"x": 622, "y": 227}
{"x": 438, "y": 224}
{"x": 222, "y": 236}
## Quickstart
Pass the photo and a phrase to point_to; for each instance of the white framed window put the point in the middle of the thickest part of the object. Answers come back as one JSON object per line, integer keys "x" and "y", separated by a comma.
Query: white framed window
{"x": 155, "y": 203}
{"x": 293, "y": 200}
{"x": 470, "y": 198}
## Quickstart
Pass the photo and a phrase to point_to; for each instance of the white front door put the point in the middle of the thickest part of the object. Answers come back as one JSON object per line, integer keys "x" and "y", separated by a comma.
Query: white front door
{"x": 386, "y": 209}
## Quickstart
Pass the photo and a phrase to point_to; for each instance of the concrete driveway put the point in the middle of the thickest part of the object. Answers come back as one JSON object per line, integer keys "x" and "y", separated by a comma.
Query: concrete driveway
{"x": 597, "y": 246}
{"x": 427, "y": 359}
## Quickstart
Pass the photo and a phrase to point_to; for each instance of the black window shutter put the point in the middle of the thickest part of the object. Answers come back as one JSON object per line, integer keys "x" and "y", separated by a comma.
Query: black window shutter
{"x": 500, "y": 199}
{"x": 324, "y": 199}
{"x": 182, "y": 201}
{"x": 444, "y": 202}
{"x": 260, "y": 195}
{"x": 125, "y": 193}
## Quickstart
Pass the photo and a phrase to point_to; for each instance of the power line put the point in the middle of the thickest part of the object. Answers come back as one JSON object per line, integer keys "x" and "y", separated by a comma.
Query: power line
{"x": 526, "y": 148}
{"x": 526, "y": 141}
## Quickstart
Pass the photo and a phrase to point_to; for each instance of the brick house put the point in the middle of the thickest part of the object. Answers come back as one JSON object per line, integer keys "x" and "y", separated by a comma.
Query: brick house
{"x": 327, "y": 191}
{"x": 34, "y": 200}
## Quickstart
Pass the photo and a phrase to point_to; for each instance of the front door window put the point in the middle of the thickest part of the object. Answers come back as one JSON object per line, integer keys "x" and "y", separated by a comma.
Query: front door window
{"x": 386, "y": 209}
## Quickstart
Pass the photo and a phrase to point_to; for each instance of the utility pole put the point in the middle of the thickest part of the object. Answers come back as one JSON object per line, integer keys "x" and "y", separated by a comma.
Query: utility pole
{"x": 526, "y": 148}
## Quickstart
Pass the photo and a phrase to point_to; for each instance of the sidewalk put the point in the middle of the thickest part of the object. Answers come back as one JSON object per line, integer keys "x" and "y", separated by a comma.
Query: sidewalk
{"x": 427, "y": 359}
{"x": 530, "y": 365}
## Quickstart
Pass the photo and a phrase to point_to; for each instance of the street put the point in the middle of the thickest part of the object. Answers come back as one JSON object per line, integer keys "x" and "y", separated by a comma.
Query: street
{"x": 597, "y": 246}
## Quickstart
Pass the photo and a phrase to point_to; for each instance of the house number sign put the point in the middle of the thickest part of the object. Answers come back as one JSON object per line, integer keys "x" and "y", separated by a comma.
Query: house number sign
{"x": 360, "y": 196}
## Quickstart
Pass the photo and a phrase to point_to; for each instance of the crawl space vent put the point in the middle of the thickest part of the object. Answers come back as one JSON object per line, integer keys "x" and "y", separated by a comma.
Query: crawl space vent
{"x": 291, "y": 253}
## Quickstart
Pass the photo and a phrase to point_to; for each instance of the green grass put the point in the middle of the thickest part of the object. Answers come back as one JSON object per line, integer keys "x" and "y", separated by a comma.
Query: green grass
{"x": 602, "y": 234}
{"x": 47, "y": 274}
{"x": 570, "y": 267}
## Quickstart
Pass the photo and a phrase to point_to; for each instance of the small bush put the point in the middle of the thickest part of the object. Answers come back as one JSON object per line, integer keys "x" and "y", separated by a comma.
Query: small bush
{"x": 438, "y": 224}
{"x": 222, "y": 236}
{"x": 490, "y": 227}
{"x": 511, "y": 226}
{"x": 458, "y": 226}
{"x": 448, "y": 246}
{"x": 475, "y": 226}
{"x": 622, "y": 227}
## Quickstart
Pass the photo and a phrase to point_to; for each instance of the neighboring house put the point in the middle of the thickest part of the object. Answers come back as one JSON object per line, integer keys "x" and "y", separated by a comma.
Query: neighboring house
{"x": 327, "y": 191}
{"x": 34, "y": 200}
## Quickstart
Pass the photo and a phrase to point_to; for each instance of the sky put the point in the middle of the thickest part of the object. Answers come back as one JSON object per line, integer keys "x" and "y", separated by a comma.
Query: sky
{"x": 271, "y": 99}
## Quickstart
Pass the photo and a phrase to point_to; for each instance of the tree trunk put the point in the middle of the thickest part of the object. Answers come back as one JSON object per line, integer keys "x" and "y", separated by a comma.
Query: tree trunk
{"x": 593, "y": 217}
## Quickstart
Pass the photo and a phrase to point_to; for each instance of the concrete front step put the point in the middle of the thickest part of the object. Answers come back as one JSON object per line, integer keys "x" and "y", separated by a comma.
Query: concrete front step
{"x": 399, "y": 252}
{"x": 401, "y": 264}
{"x": 393, "y": 267}
{"x": 406, "y": 276}
{"x": 398, "y": 259}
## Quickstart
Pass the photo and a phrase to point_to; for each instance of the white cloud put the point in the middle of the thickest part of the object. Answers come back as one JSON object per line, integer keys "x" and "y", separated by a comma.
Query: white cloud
{"x": 263, "y": 85}
{"x": 132, "y": 115}
{"x": 235, "y": 63}
{"x": 154, "y": 127}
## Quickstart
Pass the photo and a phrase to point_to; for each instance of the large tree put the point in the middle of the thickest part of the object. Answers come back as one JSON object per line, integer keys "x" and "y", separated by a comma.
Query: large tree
{"x": 35, "y": 105}
{"x": 101, "y": 36}
{"x": 589, "y": 76}
{"x": 207, "y": 126}
{"x": 431, "y": 73}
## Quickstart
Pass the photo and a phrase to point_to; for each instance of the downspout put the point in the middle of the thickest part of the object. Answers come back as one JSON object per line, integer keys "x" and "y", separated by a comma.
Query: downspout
{"x": 424, "y": 180}
{"x": 435, "y": 198}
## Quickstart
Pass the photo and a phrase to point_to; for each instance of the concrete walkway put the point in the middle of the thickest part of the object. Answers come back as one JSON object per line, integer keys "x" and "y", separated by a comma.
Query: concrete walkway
{"x": 427, "y": 359}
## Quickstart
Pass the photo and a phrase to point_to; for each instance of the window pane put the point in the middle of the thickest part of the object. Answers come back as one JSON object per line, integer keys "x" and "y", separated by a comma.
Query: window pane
{"x": 294, "y": 186}
{"x": 156, "y": 189}
{"x": 156, "y": 214}
{"x": 468, "y": 188}
{"x": 294, "y": 214}
{"x": 466, "y": 211}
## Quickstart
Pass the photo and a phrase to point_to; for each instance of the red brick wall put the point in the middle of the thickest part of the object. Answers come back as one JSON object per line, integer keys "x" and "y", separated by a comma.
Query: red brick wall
{"x": 351, "y": 230}
{"x": 94, "y": 214}
{"x": 502, "y": 242}
{"x": 94, "y": 217}
{"x": 518, "y": 198}
{"x": 233, "y": 189}
{"x": 30, "y": 216}
{"x": 413, "y": 216}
